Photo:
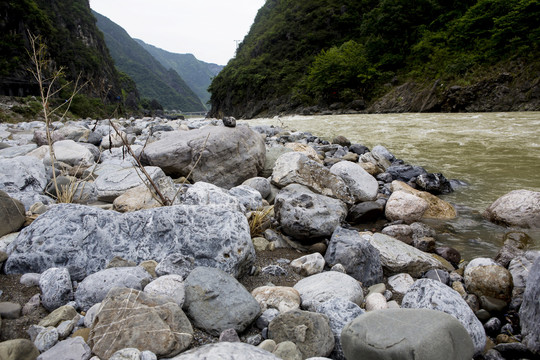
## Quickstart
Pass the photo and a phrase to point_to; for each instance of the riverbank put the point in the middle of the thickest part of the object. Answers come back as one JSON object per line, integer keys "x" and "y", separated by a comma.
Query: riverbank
{"x": 342, "y": 231}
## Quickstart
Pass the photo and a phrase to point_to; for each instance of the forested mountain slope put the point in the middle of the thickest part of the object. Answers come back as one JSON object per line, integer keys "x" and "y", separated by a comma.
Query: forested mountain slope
{"x": 384, "y": 55}
{"x": 196, "y": 73}
{"x": 153, "y": 80}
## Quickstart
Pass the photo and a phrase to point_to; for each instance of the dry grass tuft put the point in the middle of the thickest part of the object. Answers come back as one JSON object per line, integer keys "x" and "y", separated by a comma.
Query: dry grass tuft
{"x": 259, "y": 220}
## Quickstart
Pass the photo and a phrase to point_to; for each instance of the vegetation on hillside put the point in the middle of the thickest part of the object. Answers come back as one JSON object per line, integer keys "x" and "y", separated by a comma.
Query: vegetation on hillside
{"x": 300, "y": 53}
{"x": 153, "y": 80}
{"x": 74, "y": 44}
{"x": 196, "y": 73}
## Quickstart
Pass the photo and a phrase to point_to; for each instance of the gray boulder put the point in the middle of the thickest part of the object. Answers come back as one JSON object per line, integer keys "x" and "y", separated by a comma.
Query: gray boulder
{"x": 250, "y": 198}
{"x": 12, "y": 214}
{"x": 432, "y": 294}
{"x": 216, "y": 301}
{"x": 309, "y": 331}
{"x": 69, "y": 349}
{"x": 359, "y": 258}
{"x": 339, "y": 312}
{"x": 14, "y": 151}
{"x": 56, "y": 288}
{"x": 519, "y": 208}
{"x": 406, "y": 334}
{"x": 304, "y": 214}
{"x": 261, "y": 184}
{"x": 229, "y": 155}
{"x": 171, "y": 286}
{"x": 22, "y": 174}
{"x": 203, "y": 193}
{"x": 362, "y": 185}
{"x": 112, "y": 184}
{"x": 84, "y": 239}
{"x": 95, "y": 287}
{"x": 71, "y": 153}
{"x": 325, "y": 286}
{"x": 529, "y": 313}
{"x": 130, "y": 318}
{"x": 297, "y": 168}
{"x": 398, "y": 257}
{"x": 520, "y": 267}
{"x": 226, "y": 351}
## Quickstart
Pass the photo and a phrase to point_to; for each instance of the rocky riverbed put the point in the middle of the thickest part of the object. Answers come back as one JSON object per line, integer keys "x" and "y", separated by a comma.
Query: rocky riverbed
{"x": 246, "y": 242}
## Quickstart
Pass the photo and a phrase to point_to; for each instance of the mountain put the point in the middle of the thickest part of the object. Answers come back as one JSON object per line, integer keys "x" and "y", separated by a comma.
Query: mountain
{"x": 384, "y": 55}
{"x": 154, "y": 81}
{"x": 197, "y": 74}
{"x": 73, "y": 43}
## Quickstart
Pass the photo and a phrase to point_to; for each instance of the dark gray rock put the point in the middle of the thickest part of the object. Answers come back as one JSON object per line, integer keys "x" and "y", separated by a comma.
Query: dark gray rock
{"x": 265, "y": 318}
{"x": 309, "y": 331}
{"x": 226, "y": 351}
{"x": 529, "y": 313}
{"x": 216, "y": 301}
{"x": 439, "y": 275}
{"x": 229, "y": 121}
{"x": 83, "y": 239}
{"x": 56, "y": 288}
{"x": 405, "y": 172}
{"x": 365, "y": 212}
{"x": 434, "y": 183}
{"x": 12, "y": 214}
{"x": 94, "y": 288}
{"x": 304, "y": 214}
{"x": 339, "y": 312}
{"x": 406, "y": 334}
{"x": 358, "y": 149}
{"x": 274, "y": 270}
{"x": 493, "y": 326}
{"x": 223, "y": 163}
{"x": 449, "y": 254}
{"x": 359, "y": 258}
{"x": 432, "y": 294}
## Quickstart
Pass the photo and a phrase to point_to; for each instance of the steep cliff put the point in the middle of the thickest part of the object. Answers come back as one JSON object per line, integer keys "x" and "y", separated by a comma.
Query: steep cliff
{"x": 73, "y": 42}
{"x": 384, "y": 56}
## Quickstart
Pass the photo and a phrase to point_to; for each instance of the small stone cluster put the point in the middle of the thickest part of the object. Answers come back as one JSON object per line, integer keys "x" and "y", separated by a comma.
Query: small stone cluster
{"x": 122, "y": 276}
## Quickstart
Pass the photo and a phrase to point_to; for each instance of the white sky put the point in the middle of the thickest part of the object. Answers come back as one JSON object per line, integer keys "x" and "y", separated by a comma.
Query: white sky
{"x": 205, "y": 28}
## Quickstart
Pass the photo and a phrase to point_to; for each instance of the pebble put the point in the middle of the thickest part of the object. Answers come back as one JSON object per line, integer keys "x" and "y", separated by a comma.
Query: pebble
{"x": 9, "y": 310}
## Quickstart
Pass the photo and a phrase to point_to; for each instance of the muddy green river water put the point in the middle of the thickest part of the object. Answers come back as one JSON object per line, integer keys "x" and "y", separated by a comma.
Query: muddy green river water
{"x": 494, "y": 153}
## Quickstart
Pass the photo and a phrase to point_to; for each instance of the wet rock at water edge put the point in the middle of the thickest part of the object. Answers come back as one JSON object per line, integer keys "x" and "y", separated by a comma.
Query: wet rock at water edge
{"x": 529, "y": 312}
{"x": 519, "y": 208}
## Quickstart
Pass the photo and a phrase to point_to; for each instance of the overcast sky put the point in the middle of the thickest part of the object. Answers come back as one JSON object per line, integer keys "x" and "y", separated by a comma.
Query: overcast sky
{"x": 205, "y": 28}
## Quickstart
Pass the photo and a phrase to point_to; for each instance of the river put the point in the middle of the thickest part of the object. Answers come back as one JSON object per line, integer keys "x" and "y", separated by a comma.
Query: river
{"x": 494, "y": 153}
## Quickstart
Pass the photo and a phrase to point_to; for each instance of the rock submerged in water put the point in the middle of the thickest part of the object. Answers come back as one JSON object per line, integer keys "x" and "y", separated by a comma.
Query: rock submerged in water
{"x": 519, "y": 208}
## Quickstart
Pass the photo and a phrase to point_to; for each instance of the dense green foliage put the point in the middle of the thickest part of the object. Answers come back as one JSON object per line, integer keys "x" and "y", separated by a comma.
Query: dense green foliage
{"x": 301, "y": 53}
{"x": 153, "y": 80}
{"x": 197, "y": 74}
{"x": 73, "y": 43}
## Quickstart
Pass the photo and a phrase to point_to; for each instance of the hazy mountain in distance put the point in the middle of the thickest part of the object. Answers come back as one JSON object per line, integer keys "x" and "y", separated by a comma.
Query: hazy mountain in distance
{"x": 153, "y": 80}
{"x": 196, "y": 73}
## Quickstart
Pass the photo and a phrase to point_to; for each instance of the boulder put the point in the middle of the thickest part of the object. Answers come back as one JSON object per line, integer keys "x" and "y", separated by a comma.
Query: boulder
{"x": 489, "y": 280}
{"x": 519, "y": 208}
{"x": 529, "y": 313}
{"x": 12, "y": 214}
{"x": 14, "y": 151}
{"x": 309, "y": 331}
{"x": 401, "y": 283}
{"x": 261, "y": 184}
{"x": 406, "y": 334}
{"x": 227, "y": 350}
{"x": 434, "y": 183}
{"x": 18, "y": 349}
{"x": 272, "y": 154}
{"x": 365, "y": 212}
{"x": 142, "y": 197}
{"x": 398, "y": 257}
{"x": 515, "y": 243}
{"x": 401, "y": 232}
{"x": 112, "y": 184}
{"x": 282, "y": 298}
{"x": 304, "y": 150}
{"x": 316, "y": 289}
{"x": 216, "y": 301}
{"x": 339, "y": 312}
{"x": 360, "y": 259}
{"x": 84, "y": 238}
{"x": 95, "y": 287}
{"x": 228, "y": 156}
{"x": 203, "y": 193}
{"x": 308, "y": 264}
{"x": 22, "y": 174}
{"x": 71, "y": 153}
{"x": 406, "y": 207}
{"x": 432, "y": 294}
{"x": 437, "y": 208}
{"x": 296, "y": 168}
{"x": 171, "y": 286}
{"x": 76, "y": 347}
{"x": 250, "y": 198}
{"x": 131, "y": 318}
{"x": 520, "y": 267}
{"x": 304, "y": 214}
{"x": 405, "y": 172}
{"x": 362, "y": 186}
{"x": 56, "y": 288}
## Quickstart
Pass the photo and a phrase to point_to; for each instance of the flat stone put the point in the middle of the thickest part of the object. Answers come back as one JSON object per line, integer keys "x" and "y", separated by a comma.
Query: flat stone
{"x": 69, "y": 349}
{"x": 66, "y": 312}
{"x": 226, "y": 350}
{"x": 9, "y": 310}
{"x": 406, "y": 334}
